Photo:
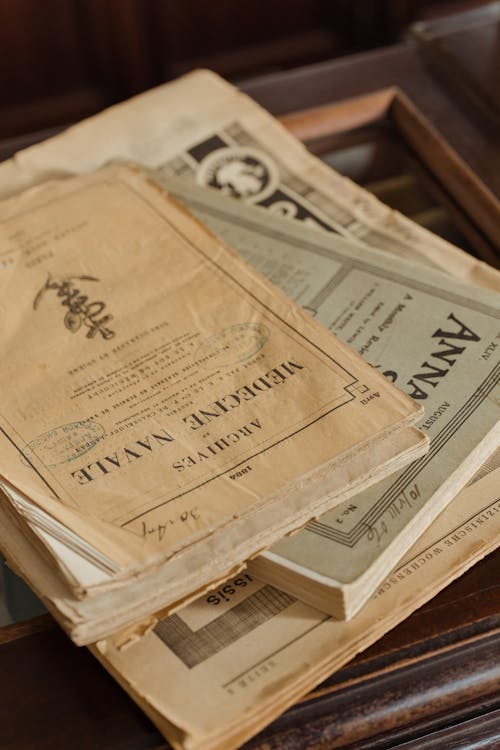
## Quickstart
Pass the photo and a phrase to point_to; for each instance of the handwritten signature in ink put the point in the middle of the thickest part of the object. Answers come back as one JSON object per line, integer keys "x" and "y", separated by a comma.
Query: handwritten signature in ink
{"x": 80, "y": 310}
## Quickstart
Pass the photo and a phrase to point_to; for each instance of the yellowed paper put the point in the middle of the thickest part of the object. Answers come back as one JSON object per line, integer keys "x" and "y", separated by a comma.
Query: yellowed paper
{"x": 119, "y": 604}
{"x": 160, "y": 398}
{"x": 439, "y": 341}
{"x": 219, "y": 671}
{"x": 122, "y": 604}
{"x": 200, "y": 127}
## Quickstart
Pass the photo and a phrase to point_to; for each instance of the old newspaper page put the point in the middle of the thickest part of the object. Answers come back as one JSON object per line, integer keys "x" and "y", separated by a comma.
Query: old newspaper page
{"x": 439, "y": 341}
{"x": 202, "y": 128}
{"x": 214, "y": 674}
{"x": 161, "y": 399}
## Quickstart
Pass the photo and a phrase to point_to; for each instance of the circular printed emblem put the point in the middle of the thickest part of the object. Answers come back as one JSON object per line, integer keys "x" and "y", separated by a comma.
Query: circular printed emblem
{"x": 240, "y": 172}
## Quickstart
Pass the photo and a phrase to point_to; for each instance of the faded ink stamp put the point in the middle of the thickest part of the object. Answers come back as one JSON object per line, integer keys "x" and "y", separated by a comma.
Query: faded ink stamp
{"x": 65, "y": 443}
{"x": 233, "y": 345}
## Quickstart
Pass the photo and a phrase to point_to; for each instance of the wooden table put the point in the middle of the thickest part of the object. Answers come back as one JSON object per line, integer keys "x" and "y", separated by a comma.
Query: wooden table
{"x": 434, "y": 681}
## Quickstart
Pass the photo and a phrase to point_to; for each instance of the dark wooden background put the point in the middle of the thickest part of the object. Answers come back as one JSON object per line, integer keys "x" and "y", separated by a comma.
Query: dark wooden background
{"x": 65, "y": 59}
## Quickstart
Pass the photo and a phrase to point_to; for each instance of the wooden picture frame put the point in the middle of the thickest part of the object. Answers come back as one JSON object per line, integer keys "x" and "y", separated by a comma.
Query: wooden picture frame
{"x": 473, "y": 206}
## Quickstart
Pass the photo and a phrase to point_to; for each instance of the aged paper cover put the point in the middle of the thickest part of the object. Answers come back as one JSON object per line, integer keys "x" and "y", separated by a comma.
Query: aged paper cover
{"x": 437, "y": 340}
{"x": 134, "y": 604}
{"x": 144, "y": 363}
{"x": 202, "y": 128}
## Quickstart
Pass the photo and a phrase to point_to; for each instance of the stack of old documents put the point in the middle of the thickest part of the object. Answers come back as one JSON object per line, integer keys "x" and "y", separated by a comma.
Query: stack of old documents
{"x": 169, "y": 413}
